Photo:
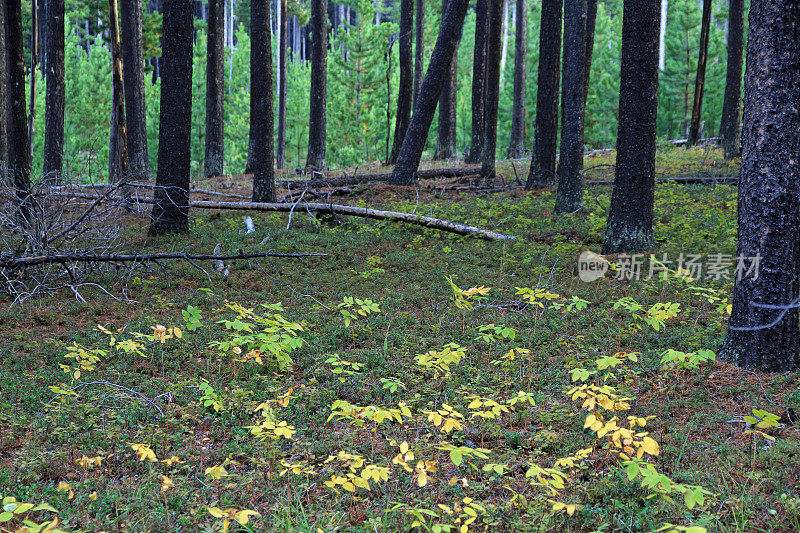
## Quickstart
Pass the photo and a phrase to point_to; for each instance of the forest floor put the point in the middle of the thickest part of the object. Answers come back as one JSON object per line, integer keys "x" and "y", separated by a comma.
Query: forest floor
{"x": 96, "y": 399}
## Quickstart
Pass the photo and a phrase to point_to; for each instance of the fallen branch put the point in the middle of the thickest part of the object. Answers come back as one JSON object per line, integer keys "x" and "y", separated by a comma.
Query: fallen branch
{"x": 434, "y": 173}
{"x": 363, "y": 212}
{"x": 23, "y": 262}
{"x": 687, "y": 180}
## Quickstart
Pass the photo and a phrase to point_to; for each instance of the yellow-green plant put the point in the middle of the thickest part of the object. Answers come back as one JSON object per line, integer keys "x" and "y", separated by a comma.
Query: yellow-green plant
{"x": 440, "y": 361}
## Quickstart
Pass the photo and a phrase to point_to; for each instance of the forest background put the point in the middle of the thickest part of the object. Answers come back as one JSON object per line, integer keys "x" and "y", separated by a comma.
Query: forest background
{"x": 361, "y": 104}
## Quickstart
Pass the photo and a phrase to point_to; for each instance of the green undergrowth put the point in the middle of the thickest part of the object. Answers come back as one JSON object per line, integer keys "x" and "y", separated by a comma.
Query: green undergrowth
{"x": 411, "y": 378}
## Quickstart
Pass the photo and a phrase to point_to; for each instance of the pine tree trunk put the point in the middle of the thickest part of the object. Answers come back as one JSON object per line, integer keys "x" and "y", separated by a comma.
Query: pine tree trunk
{"x": 19, "y": 146}
{"x": 446, "y": 139}
{"x": 478, "y": 81}
{"x": 4, "y": 103}
{"x": 492, "y": 96}
{"x": 318, "y": 91}
{"x": 569, "y": 195}
{"x": 760, "y": 337}
{"x": 118, "y": 160}
{"x": 425, "y": 108}
{"x": 700, "y": 79}
{"x": 34, "y": 42}
{"x": 170, "y": 212}
{"x": 214, "y": 160}
{"x": 54, "y": 97}
{"x": 419, "y": 47}
{"x": 280, "y": 149}
{"x": 591, "y": 21}
{"x": 504, "y": 53}
{"x": 135, "y": 109}
{"x": 630, "y": 222}
{"x": 731, "y": 104}
{"x": 516, "y": 145}
{"x": 262, "y": 122}
{"x": 406, "y": 88}
{"x": 543, "y": 162}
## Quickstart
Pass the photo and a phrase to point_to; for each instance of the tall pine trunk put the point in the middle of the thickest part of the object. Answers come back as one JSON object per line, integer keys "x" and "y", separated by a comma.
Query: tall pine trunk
{"x": 406, "y": 88}
{"x": 170, "y": 212}
{"x": 543, "y": 161}
{"x": 118, "y": 154}
{"x": 630, "y": 222}
{"x": 280, "y": 149}
{"x": 261, "y": 115}
{"x": 135, "y": 110}
{"x": 419, "y": 47}
{"x": 447, "y": 133}
{"x": 425, "y": 108}
{"x": 700, "y": 79}
{"x": 214, "y": 160}
{"x": 569, "y": 195}
{"x": 731, "y": 104}
{"x": 34, "y": 42}
{"x": 516, "y": 145}
{"x": 315, "y": 159}
{"x": 19, "y": 156}
{"x": 478, "y": 81}
{"x": 54, "y": 98}
{"x": 4, "y": 104}
{"x": 492, "y": 88}
{"x": 591, "y": 22}
{"x": 759, "y": 336}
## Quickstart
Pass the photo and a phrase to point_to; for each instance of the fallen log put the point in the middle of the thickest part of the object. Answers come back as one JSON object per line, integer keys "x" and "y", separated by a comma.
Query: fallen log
{"x": 686, "y": 180}
{"x": 23, "y": 262}
{"x": 434, "y": 173}
{"x": 335, "y": 209}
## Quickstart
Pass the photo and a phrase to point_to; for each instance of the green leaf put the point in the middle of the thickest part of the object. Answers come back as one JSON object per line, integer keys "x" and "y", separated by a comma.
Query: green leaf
{"x": 456, "y": 456}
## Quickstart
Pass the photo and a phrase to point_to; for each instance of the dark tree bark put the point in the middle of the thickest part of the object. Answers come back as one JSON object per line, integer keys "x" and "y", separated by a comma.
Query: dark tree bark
{"x": 214, "y": 160}
{"x": 516, "y": 145}
{"x": 19, "y": 148}
{"x": 630, "y": 222}
{"x": 731, "y": 104}
{"x": 4, "y": 103}
{"x": 569, "y": 195}
{"x": 419, "y": 47}
{"x": 262, "y": 121}
{"x": 700, "y": 79}
{"x": 34, "y": 63}
{"x": 543, "y": 162}
{"x": 280, "y": 150}
{"x": 447, "y": 132}
{"x": 443, "y": 52}
{"x": 54, "y": 97}
{"x": 492, "y": 88}
{"x": 405, "y": 90}
{"x": 760, "y": 337}
{"x": 135, "y": 110}
{"x": 118, "y": 160}
{"x": 591, "y": 20}
{"x": 318, "y": 91}
{"x": 171, "y": 207}
{"x": 478, "y": 81}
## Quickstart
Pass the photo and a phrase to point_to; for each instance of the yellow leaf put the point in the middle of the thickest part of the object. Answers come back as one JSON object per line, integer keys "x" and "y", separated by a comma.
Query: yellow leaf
{"x": 93, "y": 496}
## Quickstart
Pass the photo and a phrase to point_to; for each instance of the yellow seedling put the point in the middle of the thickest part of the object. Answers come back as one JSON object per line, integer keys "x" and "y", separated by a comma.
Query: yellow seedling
{"x": 446, "y": 418}
{"x": 63, "y": 486}
{"x": 216, "y": 472}
{"x": 240, "y": 516}
{"x": 144, "y": 452}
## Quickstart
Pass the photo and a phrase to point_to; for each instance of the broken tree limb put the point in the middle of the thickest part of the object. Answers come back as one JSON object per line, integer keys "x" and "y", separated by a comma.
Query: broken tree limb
{"x": 364, "y": 212}
{"x": 434, "y": 173}
{"x": 23, "y": 262}
{"x": 347, "y": 210}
